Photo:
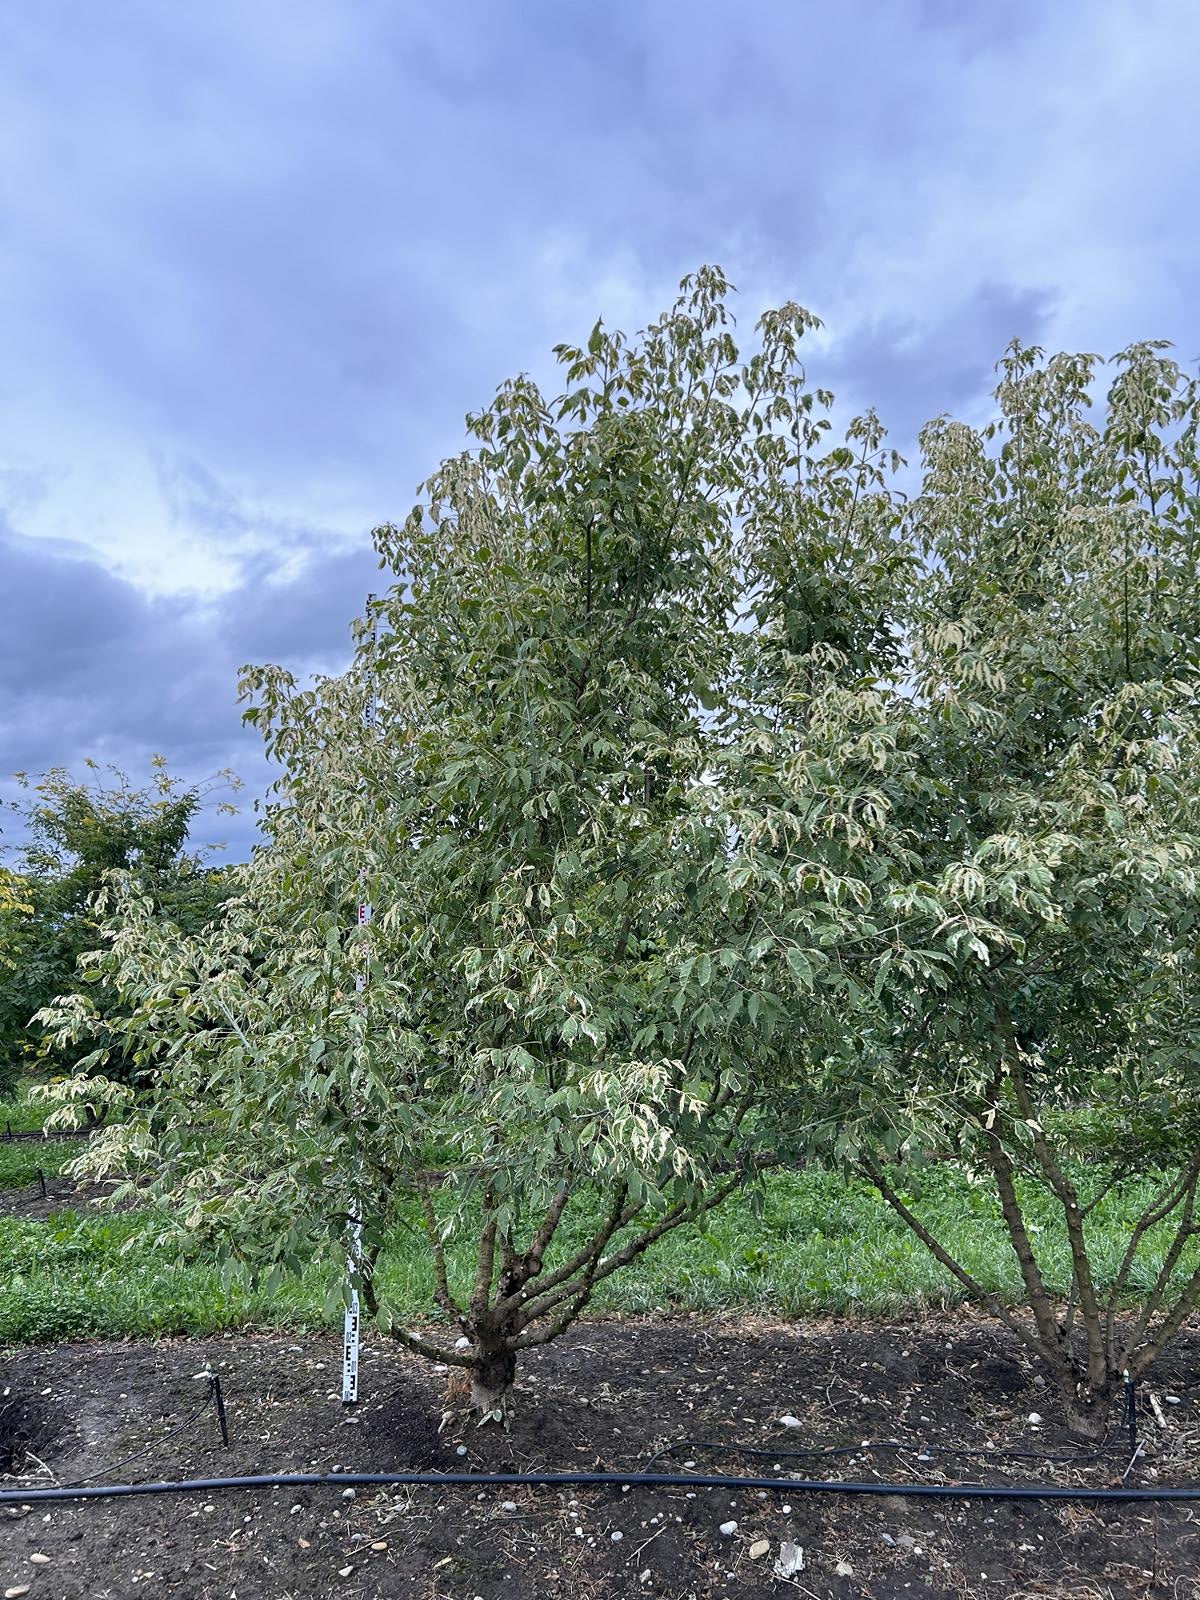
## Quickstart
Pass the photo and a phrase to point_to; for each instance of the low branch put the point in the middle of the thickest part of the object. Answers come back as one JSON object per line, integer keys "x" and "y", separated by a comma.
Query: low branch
{"x": 549, "y": 1296}
{"x": 441, "y": 1280}
{"x": 674, "y": 1218}
{"x": 568, "y": 1269}
{"x": 972, "y": 1285}
{"x": 1159, "y": 1208}
{"x": 487, "y": 1261}
{"x": 1031, "y": 1273}
{"x": 1068, "y": 1198}
{"x": 432, "y": 1352}
{"x": 1155, "y": 1298}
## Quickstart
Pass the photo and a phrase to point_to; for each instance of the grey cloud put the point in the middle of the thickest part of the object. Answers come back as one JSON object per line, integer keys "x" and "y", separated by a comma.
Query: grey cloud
{"x": 282, "y": 249}
{"x": 92, "y": 667}
{"x": 913, "y": 369}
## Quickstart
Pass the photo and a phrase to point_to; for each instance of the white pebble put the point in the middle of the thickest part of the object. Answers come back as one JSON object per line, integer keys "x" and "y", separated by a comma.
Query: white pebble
{"x": 348, "y": 1494}
{"x": 508, "y": 1505}
{"x": 728, "y": 1528}
{"x": 461, "y": 1451}
{"x": 1035, "y": 1418}
{"x": 616, "y": 1536}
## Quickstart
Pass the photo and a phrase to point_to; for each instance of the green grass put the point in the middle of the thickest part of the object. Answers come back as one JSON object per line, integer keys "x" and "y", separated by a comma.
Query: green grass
{"x": 20, "y": 1159}
{"x": 823, "y": 1244}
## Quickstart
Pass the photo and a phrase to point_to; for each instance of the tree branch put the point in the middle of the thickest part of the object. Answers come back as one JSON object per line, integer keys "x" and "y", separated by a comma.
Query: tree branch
{"x": 972, "y": 1285}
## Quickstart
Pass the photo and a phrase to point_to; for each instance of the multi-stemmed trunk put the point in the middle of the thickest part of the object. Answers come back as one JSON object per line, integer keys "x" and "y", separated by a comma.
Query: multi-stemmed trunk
{"x": 517, "y": 1301}
{"x": 1085, "y": 1347}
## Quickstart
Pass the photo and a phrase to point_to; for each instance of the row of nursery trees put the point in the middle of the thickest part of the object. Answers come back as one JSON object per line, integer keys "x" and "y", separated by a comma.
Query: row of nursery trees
{"x": 724, "y": 807}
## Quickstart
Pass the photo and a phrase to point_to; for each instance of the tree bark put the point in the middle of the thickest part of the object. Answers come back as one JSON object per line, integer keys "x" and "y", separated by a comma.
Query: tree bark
{"x": 1088, "y": 1413}
{"x": 493, "y": 1372}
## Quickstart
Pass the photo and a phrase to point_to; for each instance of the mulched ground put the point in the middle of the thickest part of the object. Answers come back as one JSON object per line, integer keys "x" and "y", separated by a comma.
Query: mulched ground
{"x": 606, "y": 1396}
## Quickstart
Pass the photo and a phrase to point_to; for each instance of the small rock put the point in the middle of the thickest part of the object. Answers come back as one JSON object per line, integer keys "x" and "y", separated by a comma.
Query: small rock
{"x": 461, "y": 1451}
{"x": 790, "y": 1560}
{"x": 304, "y": 1544}
{"x": 16, "y": 1590}
{"x": 887, "y": 1538}
{"x": 844, "y": 1569}
{"x": 508, "y": 1505}
{"x": 462, "y": 1344}
{"x": 616, "y": 1536}
{"x": 295, "y": 1511}
{"x": 379, "y": 1544}
{"x": 1034, "y": 1419}
{"x": 349, "y": 1494}
{"x": 344, "y": 1572}
{"x": 1172, "y": 1399}
{"x": 644, "y": 1575}
{"x": 789, "y": 1421}
{"x": 727, "y": 1529}
{"x": 759, "y": 1549}
{"x": 39, "y": 1560}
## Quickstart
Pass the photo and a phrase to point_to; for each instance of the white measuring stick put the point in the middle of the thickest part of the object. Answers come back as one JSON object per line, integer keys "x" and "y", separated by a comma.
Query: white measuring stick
{"x": 352, "y": 1319}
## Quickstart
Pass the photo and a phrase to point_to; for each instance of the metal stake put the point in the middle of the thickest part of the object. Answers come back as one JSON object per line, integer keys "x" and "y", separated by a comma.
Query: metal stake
{"x": 352, "y": 1320}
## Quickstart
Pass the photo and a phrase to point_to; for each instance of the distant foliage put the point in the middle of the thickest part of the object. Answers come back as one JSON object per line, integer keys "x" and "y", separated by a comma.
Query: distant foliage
{"x": 76, "y": 833}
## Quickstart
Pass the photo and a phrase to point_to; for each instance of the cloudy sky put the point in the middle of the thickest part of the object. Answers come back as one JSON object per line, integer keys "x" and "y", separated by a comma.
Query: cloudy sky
{"x": 257, "y": 259}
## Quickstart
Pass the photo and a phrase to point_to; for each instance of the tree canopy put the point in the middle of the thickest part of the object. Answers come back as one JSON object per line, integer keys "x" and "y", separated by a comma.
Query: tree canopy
{"x": 716, "y": 804}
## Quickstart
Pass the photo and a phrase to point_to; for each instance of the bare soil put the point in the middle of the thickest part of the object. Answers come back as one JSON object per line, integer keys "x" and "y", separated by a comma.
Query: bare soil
{"x": 61, "y": 1194}
{"x": 608, "y": 1395}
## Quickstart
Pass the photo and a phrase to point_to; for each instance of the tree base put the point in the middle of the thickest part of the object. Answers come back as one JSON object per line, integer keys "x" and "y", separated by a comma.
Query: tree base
{"x": 1087, "y": 1417}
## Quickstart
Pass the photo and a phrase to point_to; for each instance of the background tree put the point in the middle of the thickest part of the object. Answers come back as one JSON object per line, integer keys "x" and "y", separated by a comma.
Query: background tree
{"x": 610, "y": 888}
{"x": 1038, "y": 1002}
{"x": 15, "y": 906}
{"x": 76, "y": 832}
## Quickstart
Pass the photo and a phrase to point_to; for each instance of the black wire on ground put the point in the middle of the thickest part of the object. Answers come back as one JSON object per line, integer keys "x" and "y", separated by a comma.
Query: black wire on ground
{"x": 1128, "y": 1418}
{"x": 611, "y": 1480}
{"x": 214, "y": 1394}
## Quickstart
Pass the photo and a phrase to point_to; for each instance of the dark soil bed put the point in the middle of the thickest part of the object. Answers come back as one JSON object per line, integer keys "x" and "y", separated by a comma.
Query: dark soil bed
{"x": 61, "y": 1194}
{"x": 607, "y": 1396}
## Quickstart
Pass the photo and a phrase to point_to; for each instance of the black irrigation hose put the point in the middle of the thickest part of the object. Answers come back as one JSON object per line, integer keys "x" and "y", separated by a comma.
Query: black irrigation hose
{"x": 9, "y": 1137}
{"x": 85, "y": 1489}
{"x": 598, "y": 1480}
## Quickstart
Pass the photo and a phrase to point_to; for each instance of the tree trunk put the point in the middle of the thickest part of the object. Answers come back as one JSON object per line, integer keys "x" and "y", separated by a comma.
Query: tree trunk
{"x": 492, "y": 1376}
{"x": 1088, "y": 1412}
